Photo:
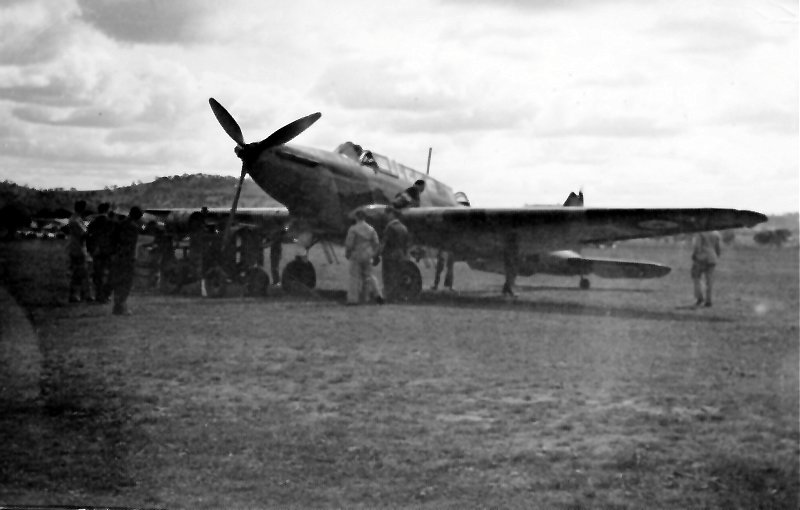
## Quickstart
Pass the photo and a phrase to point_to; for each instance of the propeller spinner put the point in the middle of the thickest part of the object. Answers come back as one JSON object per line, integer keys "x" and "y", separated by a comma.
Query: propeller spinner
{"x": 250, "y": 152}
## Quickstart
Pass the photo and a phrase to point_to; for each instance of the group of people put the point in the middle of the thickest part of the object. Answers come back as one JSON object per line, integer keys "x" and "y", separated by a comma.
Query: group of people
{"x": 109, "y": 243}
{"x": 363, "y": 248}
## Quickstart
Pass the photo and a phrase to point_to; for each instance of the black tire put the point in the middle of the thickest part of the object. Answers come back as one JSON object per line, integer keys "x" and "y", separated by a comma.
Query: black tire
{"x": 298, "y": 276}
{"x": 584, "y": 284}
{"x": 408, "y": 285}
{"x": 174, "y": 275}
{"x": 216, "y": 282}
{"x": 256, "y": 283}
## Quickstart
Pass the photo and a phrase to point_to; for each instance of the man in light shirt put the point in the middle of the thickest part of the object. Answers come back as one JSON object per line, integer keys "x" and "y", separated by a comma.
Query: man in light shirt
{"x": 706, "y": 251}
{"x": 361, "y": 246}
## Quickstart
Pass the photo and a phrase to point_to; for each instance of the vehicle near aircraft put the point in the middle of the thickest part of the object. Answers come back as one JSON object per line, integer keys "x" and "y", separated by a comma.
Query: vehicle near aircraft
{"x": 321, "y": 189}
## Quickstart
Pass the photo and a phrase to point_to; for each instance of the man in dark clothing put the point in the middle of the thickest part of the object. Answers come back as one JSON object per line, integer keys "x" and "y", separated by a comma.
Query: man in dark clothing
{"x": 98, "y": 242}
{"x": 410, "y": 197}
{"x": 444, "y": 259}
{"x": 125, "y": 236}
{"x": 394, "y": 251}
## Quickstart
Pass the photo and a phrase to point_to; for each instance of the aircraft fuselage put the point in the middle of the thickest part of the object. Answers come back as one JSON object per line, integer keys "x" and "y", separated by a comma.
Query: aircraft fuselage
{"x": 326, "y": 187}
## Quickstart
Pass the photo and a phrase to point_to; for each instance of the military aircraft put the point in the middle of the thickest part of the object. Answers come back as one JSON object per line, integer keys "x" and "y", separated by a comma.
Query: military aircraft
{"x": 321, "y": 190}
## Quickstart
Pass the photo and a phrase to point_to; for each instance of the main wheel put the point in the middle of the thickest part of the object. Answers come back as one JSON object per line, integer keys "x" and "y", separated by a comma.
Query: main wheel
{"x": 216, "y": 282}
{"x": 256, "y": 282}
{"x": 409, "y": 282}
{"x": 299, "y": 275}
{"x": 174, "y": 275}
{"x": 584, "y": 284}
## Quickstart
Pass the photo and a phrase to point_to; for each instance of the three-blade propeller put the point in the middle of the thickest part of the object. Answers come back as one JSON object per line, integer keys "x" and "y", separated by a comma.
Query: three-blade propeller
{"x": 250, "y": 152}
{"x": 279, "y": 137}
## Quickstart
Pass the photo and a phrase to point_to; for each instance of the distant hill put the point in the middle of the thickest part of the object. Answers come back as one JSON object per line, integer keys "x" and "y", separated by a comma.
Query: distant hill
{"x": 188, "y": 190}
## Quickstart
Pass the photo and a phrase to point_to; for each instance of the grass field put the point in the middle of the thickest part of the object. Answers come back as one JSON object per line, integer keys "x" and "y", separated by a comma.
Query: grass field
{"x": 621, "y": 396}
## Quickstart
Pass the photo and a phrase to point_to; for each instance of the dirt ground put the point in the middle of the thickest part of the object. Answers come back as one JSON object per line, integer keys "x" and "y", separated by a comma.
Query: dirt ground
{"x": 621, "y": 396}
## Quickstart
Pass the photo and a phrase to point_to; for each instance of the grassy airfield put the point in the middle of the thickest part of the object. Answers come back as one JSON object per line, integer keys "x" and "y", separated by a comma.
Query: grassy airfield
{"x": 621, "y": 396}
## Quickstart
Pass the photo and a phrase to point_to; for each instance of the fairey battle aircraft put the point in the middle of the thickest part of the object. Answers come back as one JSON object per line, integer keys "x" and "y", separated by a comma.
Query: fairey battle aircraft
{"x": 322, "y": 189}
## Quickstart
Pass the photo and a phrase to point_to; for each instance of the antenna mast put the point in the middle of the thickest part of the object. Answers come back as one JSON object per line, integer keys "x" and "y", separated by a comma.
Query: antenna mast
{"x": 428, "y": 169}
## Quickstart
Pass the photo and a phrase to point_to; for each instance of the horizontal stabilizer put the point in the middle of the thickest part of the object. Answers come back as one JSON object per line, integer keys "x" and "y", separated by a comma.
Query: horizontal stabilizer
{"x": 606, "y": 268}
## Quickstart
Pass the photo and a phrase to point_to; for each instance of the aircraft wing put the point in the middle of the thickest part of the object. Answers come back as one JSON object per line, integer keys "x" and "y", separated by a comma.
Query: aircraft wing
{"x": 476, "y": 232}
{"x": 267, "y": 218}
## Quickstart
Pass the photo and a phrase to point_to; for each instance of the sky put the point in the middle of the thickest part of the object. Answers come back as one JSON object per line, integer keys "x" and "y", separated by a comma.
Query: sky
{"x": 639, "y": 104}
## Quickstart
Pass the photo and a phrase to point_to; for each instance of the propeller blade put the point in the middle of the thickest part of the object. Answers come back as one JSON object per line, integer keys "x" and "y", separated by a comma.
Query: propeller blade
{"x": 289, "y": 131}
{"x": 227, "y": 235}
{"x": 227, "y": 121}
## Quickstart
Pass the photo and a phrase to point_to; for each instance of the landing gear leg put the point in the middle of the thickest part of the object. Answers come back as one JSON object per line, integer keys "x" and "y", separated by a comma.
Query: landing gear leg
{"x": 275, "y": 251}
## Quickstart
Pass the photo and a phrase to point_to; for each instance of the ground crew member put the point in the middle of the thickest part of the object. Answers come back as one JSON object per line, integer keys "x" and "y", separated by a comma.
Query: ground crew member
{"x": 410, "y": 197}
{"x": 394, "y": 251}
{"x": 198, "y": 243}
{"x": 98, "y": 243}
{"x": 361, "y": 246}
{"x": 78, "y": 256}
{"x": 444, "y": 259}
{"x": 125, "y": 236}
{"x": 706, "y": 251}
{"x": 510, "y": 262}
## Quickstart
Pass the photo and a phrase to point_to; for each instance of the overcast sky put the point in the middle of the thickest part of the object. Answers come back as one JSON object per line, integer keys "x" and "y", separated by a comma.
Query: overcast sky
{"x": 639, "y": 103}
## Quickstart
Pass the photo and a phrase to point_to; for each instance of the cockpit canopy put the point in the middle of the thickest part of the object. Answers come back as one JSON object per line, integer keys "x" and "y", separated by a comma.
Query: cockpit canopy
{"x": 365, "y": 157}
{"x": 350, "y": 150}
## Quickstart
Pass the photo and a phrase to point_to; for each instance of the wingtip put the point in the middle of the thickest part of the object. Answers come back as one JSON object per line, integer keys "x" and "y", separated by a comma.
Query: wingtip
{"x": 752, "y": 218}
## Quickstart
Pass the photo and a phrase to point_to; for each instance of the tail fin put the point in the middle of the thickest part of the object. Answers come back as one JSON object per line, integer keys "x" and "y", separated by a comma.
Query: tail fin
{"x": 574, "y": 200}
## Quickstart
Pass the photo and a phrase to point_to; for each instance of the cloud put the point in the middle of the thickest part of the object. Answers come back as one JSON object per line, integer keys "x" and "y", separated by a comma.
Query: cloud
{"x": 34, "y": 32}
{"x": 776, "y": 121}
{"x": 145, "y": 21}
{"x": 621, "y": 127}
{"x": 88, "y": 117}
{"x": 376, "y": 86}
{"x": 703, "y": 36}
{"x": 535, "y": 5}
{"x": 455, "y": 120}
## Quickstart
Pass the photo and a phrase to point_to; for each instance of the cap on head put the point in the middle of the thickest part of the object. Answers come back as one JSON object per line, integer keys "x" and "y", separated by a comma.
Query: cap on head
{"x": 135, "y": 213}
{"x": 419, "y": 182}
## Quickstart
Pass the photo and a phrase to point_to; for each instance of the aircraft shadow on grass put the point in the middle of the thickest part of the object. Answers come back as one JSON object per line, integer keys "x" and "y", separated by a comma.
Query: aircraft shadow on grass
{"x": 539, "y": 288}
{"x": 487, "y": 302}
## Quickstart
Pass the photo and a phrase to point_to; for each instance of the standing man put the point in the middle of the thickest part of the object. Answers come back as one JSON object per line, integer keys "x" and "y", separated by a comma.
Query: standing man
{"x": 76, "y": 251}
{"x": 360, "y": 247}
{"x": 126, "y": 234}
{"x": 510, "y": 262}
{"x": 98, "y": 242}
{"x": 444, "y": 259}
{"x": 706, "y": 251}
{"x": 410, "y": 197}
{"x": 394, "y": 250}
